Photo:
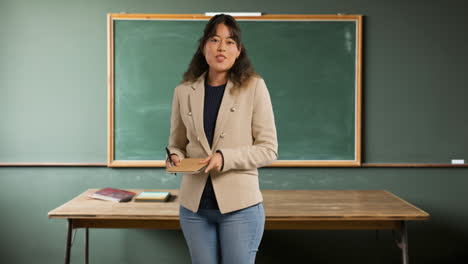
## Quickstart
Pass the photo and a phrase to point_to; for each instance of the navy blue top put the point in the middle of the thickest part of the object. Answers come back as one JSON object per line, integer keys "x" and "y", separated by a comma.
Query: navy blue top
{"x": 213, "y": 98}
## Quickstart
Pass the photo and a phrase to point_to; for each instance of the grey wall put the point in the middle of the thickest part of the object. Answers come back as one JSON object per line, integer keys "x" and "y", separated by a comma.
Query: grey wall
{"x": 53, "y": 85}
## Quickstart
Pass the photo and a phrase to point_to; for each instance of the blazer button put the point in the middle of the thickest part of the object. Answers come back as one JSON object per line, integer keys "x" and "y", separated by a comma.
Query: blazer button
{"x": 222, "y": 135}
{"x": 190, "y": 113}
{"x": 198, "y": 139}
{"x": 233, "y": 109}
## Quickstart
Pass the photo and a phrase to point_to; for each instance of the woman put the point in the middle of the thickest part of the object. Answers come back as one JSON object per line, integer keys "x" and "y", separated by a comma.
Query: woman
{"x": 222, "y": 112}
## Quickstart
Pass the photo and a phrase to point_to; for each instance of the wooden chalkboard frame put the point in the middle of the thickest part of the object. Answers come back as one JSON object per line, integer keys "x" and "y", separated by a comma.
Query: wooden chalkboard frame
{"x": 111, "y": 162}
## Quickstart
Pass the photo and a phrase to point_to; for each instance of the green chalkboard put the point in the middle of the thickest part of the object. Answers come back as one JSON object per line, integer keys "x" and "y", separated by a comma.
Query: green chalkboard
{"x": 311, "y": 67}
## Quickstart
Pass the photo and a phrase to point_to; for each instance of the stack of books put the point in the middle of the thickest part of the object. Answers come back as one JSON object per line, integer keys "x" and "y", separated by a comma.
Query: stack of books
{"x": 118, "y": 195}
{"x": 114, "y": 195}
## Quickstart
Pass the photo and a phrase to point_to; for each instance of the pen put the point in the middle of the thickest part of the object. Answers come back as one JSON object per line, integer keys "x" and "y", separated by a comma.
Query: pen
{"x": 169, "y": 156}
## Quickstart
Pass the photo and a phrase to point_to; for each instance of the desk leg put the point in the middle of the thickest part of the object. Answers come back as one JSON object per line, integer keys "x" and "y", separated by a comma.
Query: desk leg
{"x": 86, "y": 245}
{"x": 403, "y": 242}
{"x": 68, "y": 243}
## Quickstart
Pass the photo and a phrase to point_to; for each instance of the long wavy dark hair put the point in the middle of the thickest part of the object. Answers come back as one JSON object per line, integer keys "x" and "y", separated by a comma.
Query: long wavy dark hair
{"x": 241, "y": 70}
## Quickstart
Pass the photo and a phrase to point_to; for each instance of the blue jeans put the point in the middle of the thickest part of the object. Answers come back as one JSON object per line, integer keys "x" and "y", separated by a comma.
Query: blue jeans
{"x": 231, "y": 238}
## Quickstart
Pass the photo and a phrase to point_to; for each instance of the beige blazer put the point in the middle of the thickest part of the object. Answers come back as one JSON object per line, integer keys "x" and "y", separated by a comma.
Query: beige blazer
{"x": 245, "y": 132}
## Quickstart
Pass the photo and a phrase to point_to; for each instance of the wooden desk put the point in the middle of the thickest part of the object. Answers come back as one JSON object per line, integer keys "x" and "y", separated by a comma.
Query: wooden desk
{"x": 284, "y": 209}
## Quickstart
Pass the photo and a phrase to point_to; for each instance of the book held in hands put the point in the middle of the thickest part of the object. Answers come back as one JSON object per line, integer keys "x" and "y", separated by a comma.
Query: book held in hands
{"x": 152, "y": 196}
{"x": 188, "y": 166}
{"x": 114, "y": 195}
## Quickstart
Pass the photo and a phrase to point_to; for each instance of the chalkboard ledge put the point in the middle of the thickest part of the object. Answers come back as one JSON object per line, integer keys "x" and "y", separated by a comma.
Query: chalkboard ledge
{"x": 363, "y": 165}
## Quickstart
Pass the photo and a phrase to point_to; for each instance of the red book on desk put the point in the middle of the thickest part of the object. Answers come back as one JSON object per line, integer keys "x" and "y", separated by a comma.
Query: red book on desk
{"x": 111, "y": 194}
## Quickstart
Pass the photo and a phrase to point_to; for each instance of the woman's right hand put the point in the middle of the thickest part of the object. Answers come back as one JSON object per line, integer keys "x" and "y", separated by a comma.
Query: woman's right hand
{"x": 175, "y": 159}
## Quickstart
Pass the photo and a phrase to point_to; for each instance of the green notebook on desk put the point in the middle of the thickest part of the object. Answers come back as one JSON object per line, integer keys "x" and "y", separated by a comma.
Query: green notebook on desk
{"x": 152, "y": 196}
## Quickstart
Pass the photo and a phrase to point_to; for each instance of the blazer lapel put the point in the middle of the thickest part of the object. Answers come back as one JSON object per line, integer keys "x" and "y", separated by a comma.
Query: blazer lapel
{"x": 227, "y": 105}
{"x": 197, "y": 102}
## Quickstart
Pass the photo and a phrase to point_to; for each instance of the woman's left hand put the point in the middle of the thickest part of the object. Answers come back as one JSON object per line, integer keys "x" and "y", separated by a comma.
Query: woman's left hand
{"x": 215, "y": 162}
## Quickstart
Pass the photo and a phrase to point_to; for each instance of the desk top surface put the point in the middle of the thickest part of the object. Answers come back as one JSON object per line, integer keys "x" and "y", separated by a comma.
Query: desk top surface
{"x": 278, "y": 204}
